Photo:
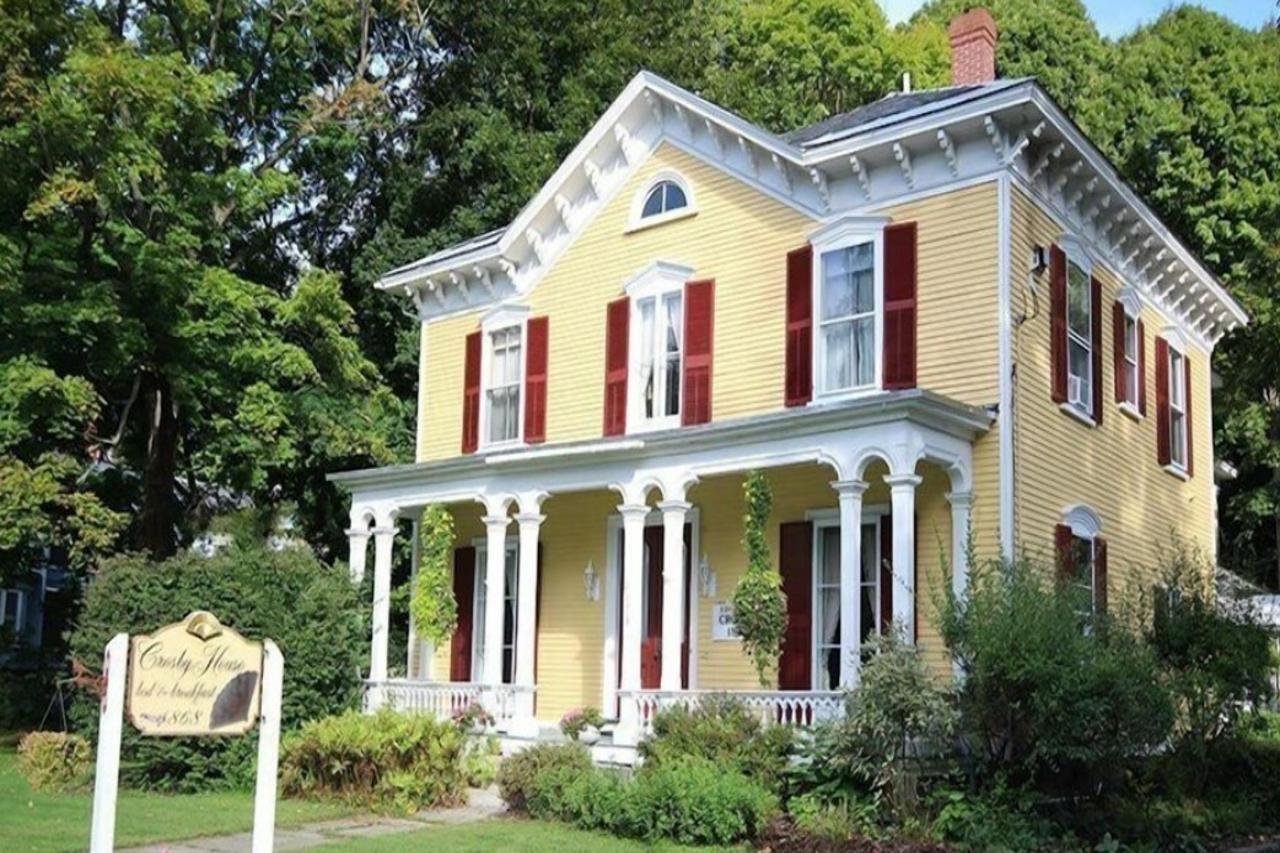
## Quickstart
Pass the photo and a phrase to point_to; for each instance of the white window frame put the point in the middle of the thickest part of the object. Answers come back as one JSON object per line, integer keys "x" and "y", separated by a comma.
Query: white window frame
{"x": 844, "y": 233}
{"x": 825, "y": 519}
{"x": 500, "y": 319}
{"x": 1085, "y": 524}
{"x": 509, "y": 593}
{"x": 1129, "y": 299}
{"x": 19, "y": 612}
{"x": 637, "y": 221}
{"x": 1177, "y": 369}
{"x": 656, "y": 281}
{"x": 1079, "y": 258}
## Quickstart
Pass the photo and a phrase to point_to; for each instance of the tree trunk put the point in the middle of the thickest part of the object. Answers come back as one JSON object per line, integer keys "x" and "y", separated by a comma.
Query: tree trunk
{"x": 156, "y": 521}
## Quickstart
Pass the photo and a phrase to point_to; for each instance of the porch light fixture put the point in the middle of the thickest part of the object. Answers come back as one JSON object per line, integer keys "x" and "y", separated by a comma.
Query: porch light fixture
{"x": 706, "y": 579}
{"x": 591, "y": 581}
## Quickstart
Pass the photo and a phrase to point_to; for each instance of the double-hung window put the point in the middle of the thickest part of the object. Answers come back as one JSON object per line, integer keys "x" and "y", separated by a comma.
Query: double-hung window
{"x": 1129, "y": 362}
{"x": 510, "y": 569}
{"x": 12, "y": 603}
{"x": 1177, "y": 409}
{"x": 827, "y": 597}
{"x": 502, "y": 390}
{"x": 848, "y": 305}
{"x": 660, "y": 329}
{"x": 1080, "y": 341}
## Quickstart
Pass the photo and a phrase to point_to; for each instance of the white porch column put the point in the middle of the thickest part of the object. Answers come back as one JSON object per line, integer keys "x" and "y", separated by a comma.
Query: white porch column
{"x": 902, "y": 488}
{"x": 633, "y": 516}
{"x": 526, "y": 622}
{"x": 495, "y": 585}
{"x": 358, "y": 541}
{"x": 961, "y": 504}
{"x": 850, "y": 492}
{"x": 673, "y": 516}
{"x": 383, "y": 539}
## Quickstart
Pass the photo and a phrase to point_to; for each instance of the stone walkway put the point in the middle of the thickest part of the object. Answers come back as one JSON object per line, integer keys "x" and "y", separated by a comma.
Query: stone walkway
{"x": 482, "y": 804}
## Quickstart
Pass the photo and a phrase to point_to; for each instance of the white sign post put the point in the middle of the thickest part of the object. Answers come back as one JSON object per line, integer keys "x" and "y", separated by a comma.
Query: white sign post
{"x": 189, "y": 688}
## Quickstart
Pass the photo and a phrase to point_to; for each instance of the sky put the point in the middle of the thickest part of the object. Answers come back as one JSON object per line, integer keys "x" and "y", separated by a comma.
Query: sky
{"x": 1117, "y": 17}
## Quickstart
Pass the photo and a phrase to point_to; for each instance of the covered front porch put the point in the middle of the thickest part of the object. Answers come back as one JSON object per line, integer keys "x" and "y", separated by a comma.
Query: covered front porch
{"x": 600, "y": 574}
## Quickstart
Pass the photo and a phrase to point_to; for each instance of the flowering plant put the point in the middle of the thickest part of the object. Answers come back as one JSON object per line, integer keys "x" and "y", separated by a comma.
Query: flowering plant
{"x": 578, "y": 719}
{"x": 473, "y": 716}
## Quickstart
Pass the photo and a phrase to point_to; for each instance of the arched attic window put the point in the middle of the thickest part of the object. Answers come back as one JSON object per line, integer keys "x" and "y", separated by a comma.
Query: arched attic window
{"x": 663, "y": 198}
{"x": 667, "y": 196}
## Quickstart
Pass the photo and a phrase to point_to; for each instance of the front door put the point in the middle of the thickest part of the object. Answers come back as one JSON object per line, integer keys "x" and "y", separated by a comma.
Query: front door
{"x": 651, "y": 608}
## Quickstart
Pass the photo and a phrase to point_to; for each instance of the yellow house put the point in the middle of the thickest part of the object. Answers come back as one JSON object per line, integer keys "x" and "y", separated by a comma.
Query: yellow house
{"x": 940, "y": 313}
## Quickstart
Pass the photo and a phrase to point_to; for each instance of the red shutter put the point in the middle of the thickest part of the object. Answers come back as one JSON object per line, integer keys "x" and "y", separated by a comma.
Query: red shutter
{"x": 471, "y": 395}
{"x": 1062, "y": 552}
{"x": 795, "y": 549}
{"x": 886, "y": 572}
{"x": 699, "y": 311}
{"x": 535, "y": 382}
{"x": 1095, "y": 311}
{"x": 1191, "y": 459}
{"x": 617, "y": 324}
{"x": 464, "y": 590}
{"x": 799, "y": 378}
{"x": 1142, "y": 369}
{"x": 1100, "y": 574}
{"x": 900, "y": 306}
{"x": 1162, "y": 401}
{"x": 1118, "y": 355}
{"x": 1058, "y": 324}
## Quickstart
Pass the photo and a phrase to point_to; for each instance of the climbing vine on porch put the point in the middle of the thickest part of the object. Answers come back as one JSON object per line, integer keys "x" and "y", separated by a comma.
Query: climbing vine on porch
{"x": 759, "y": 604}
{"x": 432, "y": 606}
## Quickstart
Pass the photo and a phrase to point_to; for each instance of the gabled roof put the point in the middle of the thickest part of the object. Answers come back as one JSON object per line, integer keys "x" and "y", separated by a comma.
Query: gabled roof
{"x": 862, "y": 161}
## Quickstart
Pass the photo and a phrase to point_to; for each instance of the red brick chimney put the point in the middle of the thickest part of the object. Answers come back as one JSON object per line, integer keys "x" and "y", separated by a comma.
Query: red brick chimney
{"x": 973, "y": 48}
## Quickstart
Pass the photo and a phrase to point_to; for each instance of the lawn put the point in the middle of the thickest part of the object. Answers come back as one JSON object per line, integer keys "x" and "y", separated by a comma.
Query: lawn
{"x": 505, "y": 834}
{"x": 31, "y": 821}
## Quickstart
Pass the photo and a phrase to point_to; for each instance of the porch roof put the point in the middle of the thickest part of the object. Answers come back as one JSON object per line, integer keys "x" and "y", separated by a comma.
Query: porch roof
{"x": 924, "y": 408}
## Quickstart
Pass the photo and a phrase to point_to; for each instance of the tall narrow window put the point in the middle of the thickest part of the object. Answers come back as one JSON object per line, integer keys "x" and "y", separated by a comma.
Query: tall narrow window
{"x": 661, "y": 329}
{"x": 1081, "y": 580}
{"x": 827, "y": 598}
{"x": 508, "y": 615}
{"x": 502, "y": 398}
{"x": 848, "y": 332}
{"x": 1080, "y": 341}
{"x": 1130, "y": 363}
{"x": 1177, "y": 408}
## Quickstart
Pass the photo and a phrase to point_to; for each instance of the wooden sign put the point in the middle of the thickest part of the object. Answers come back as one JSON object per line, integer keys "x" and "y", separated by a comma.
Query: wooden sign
{"x": 194, "y": 677}
{"x": 723, "y": 627}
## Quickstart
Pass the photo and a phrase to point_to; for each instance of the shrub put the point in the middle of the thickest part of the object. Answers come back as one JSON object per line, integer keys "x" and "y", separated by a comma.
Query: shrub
{"x": 589, "y": 799}
{"x": 834, "y": 819}
{"x": 1046, "y": 697}
{"x": 1218, "y": 665}
{"x": 308, "y": 608}
{"x": 997, "y": 819}
{"x": 54, "y": 761}
{"x": 480, "y": 761}
{"x": 516, "y": 775}
{"x": 385, "y": 761}
{"x": 724, "y": 731}
{"x": 573, "y": 723}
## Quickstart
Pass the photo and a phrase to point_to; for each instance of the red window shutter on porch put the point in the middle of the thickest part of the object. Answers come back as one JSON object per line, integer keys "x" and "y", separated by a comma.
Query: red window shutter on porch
{"x": 1142, "y": 369}
{"x": 799, "y": 369}
{"x": 1162, "y": 401}
{"x": 795, "y": 547}
{"x": 471, "y": 395}
{"x": 1095, "y": 311}
{"x": 699, "y": 314}
{"x": 1191, "y": 458}
{"x": 535, "y": 382}
{"x": 1058, "y": 324}
{"x": 900, "y": 306}
{"x": 1100, "y": 574}
{"x": 1062, "y": 552}
{"x": 464, "y": 587}
{"x": 617, "y": 324}
{"x": 1118, "y": 353}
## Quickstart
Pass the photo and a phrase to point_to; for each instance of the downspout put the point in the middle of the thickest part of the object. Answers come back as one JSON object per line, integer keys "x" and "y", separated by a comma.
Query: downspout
{"x": 1006, "y": 367}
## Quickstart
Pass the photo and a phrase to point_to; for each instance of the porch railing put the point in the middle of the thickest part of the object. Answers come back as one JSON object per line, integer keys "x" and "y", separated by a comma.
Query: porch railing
{"x": 442, "y": 699}
{"x": 797, "y": 708}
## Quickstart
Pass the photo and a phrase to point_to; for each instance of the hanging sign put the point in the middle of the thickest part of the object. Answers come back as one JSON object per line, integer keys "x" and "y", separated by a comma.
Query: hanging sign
{"x": 194, "y": 677}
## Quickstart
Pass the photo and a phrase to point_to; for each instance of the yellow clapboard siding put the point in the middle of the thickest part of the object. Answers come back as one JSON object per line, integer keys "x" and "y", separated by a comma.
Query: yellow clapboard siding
{"x": 1112, "y": 468}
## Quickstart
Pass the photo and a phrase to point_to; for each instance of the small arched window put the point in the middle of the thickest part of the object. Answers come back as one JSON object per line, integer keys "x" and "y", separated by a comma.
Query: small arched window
{"x": 665, "y": 197}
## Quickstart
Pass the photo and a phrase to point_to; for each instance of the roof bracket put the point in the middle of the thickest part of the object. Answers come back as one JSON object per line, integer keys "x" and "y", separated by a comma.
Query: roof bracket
{"x": 903, "y": 156}
{"x": 860, "y": 172}
{"x": 949, "y": 151}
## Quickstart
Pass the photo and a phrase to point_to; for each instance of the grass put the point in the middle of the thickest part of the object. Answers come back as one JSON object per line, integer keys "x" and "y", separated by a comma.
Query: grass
{"x": 505, "y": 834}
{"x": 34, "y": 821}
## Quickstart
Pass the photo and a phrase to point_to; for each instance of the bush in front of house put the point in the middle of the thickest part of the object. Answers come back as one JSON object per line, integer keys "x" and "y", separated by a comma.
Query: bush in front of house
{"x": 723, "y": 731}
{"x": 55, "y": 761}
{"x": 1050, "y": 696}
{"x": 308, "y": 608}
{"x": 689, "y": 800}
{"x": 386, "y": 761}
{"x": 517, "y": 774}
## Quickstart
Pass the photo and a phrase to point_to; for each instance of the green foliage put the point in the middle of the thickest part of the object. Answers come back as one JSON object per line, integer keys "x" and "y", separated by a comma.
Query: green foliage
{"x": 688, "y": 800}
{"x": 433, "y": 608}
{"x": 721, "y": 730}
{"x": 480, "y": 759}
{"x": 385, "y": 761}
{"x": 994, "y": 819}
{"x": 759, "y": 604}
{"x": 578, "y": 719}
{"x": 836, "y": 819}
{"x": 516, "y": 774}
{"x": 309, "y": 609}
{"x": 55, "y": 761}
{"x": 1046, "y": 698}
